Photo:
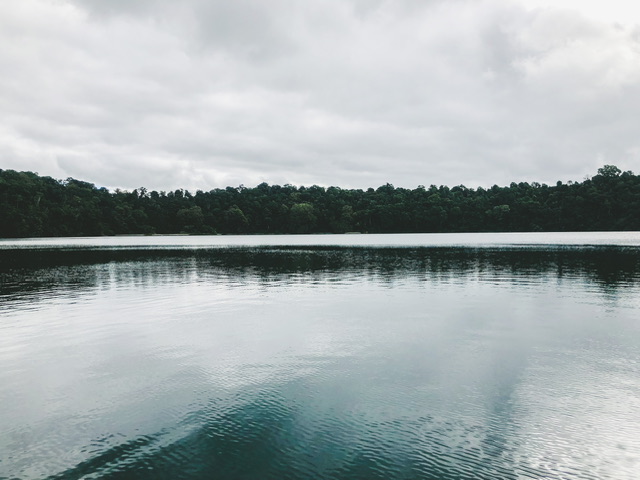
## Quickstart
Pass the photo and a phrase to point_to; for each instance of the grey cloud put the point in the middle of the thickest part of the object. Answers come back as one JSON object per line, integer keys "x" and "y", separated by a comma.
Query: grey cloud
{"x": 201, "y": 94}
{"x": 252, "y": 28}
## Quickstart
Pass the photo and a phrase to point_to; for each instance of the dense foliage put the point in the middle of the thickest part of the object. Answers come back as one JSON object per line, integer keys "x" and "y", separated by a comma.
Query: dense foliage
{"x": 32, "y": 205}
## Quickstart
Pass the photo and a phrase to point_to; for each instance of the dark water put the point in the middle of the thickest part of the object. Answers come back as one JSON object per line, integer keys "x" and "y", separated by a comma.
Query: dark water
{"x": 320, "y": 362}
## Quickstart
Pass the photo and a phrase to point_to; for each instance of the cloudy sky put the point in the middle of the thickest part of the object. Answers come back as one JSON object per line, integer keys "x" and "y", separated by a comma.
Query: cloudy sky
{"x": 202, "y": 94}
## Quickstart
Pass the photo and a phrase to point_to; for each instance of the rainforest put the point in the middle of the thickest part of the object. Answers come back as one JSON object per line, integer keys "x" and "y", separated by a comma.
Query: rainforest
{"x": 40, "y": 206}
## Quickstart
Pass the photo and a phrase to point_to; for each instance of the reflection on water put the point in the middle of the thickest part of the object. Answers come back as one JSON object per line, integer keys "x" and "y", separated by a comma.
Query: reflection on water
{"x": 22, "y": 271}
{"x": 320, "y": 362}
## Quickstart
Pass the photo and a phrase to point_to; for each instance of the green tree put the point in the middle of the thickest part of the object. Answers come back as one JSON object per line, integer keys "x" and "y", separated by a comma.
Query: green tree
{"x": 191, "y": 220}
{"x": 609, "y": 171}
{"x": 303, "y": 218}
{"x": 235, "y": 220}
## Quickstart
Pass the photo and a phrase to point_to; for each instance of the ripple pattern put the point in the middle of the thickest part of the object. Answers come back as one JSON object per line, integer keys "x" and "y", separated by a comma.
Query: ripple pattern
{"x": 323, "y": 363}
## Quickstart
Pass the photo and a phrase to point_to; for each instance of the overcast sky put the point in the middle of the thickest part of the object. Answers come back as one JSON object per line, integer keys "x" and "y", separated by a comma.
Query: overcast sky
{"x": 201, "y": 94}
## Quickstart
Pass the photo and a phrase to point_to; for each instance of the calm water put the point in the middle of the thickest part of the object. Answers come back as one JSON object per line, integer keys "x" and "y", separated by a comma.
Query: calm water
{"x": 442, "y": 357}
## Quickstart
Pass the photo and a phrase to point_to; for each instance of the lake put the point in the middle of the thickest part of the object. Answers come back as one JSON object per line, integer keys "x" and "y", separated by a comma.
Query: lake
{"x": 452, "y": 356}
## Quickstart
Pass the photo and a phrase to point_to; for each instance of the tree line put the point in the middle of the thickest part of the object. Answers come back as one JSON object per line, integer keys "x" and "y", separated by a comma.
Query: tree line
{"x": 32, "y": 205}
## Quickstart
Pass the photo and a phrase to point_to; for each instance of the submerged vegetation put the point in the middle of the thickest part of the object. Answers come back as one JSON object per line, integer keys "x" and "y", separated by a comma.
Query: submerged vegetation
{"x": 33, "y": 205}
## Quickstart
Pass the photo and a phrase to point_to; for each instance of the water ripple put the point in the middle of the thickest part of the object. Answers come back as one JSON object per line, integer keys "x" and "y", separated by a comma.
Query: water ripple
{"x": 321, "y": 363}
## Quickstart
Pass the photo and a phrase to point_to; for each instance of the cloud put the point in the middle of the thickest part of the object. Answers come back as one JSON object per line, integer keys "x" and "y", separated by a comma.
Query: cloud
{"x": 204, "y": 94}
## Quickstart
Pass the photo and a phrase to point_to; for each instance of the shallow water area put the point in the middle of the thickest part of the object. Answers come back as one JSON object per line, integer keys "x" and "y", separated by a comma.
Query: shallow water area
{"x": 488, "y": 356}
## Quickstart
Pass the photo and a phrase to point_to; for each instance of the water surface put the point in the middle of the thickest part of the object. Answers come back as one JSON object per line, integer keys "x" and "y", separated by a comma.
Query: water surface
{"x": 331, "y": 357}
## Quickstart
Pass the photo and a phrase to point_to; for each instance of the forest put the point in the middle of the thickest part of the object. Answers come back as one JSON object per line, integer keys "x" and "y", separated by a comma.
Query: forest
{"x": 39, "y": 206}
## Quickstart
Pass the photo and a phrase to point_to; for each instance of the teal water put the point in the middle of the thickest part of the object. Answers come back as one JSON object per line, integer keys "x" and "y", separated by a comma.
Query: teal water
{"x": 289, "y": 358}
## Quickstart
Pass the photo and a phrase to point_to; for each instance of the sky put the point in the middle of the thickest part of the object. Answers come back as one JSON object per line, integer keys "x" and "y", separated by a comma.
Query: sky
{"x": 204, "y": 94}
